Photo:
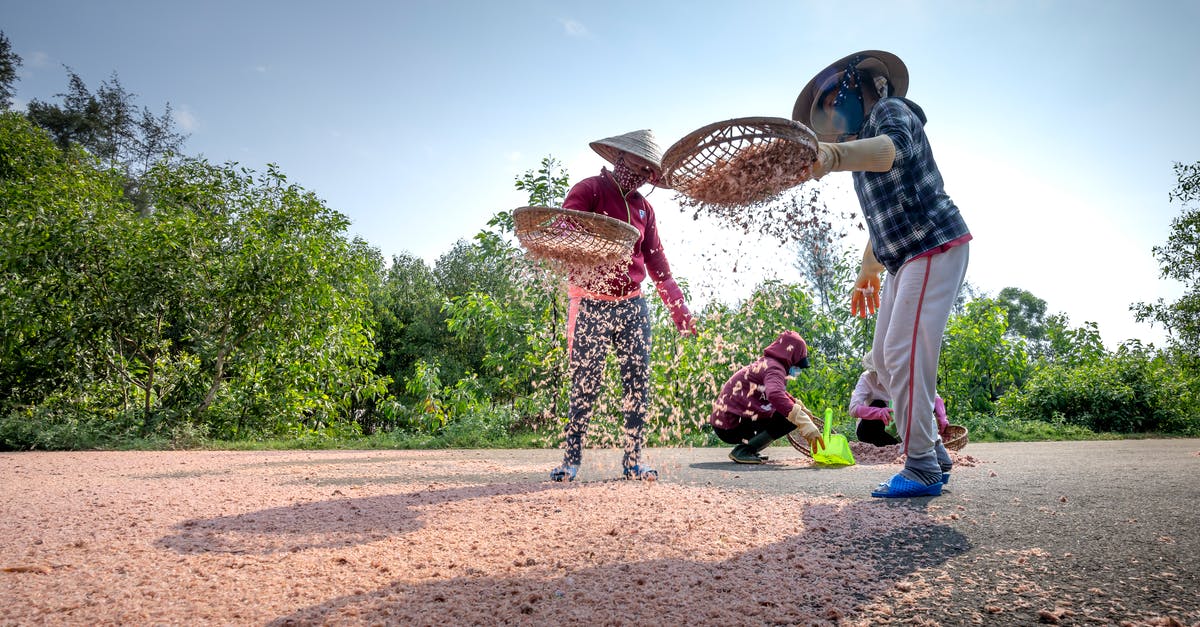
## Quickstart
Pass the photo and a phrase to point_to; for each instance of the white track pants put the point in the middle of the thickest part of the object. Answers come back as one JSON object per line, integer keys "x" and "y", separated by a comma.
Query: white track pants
{"x": 913, "y": 311}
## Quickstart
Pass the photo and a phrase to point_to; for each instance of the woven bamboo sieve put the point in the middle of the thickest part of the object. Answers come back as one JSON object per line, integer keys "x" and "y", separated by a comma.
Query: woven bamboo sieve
{"x": 954, "y": 437}
{"x": 578, "y": 238}
{"x": 742, "y": 161}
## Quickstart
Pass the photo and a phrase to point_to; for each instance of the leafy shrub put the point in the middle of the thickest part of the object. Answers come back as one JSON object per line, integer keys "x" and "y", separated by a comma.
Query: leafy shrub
{"x": 1129, "y": 391}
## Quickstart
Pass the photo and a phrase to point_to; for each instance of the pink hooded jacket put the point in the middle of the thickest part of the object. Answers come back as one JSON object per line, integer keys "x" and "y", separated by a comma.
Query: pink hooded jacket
{"x": 759, "y": 390}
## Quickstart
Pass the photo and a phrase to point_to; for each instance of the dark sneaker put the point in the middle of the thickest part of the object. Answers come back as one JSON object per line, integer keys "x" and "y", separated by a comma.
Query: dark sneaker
{"x": 644, "y": 473}
{"x": 566, "y": 472}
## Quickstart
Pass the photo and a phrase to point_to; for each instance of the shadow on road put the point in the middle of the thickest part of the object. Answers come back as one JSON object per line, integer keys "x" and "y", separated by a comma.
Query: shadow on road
{"x": 823, "y": 575}
{"x": 338, "y": 522}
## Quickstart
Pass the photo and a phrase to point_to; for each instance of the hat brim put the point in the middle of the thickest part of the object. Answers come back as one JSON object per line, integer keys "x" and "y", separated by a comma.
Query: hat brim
{"x": 897, "y": 75}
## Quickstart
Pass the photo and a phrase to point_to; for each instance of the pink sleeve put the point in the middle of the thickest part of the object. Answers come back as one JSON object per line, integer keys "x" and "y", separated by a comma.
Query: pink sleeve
{"x": 672, "y": 296}
{"x": 775, "y": 386}
{"x": 652, "y": 251}
{"x": 861, "y": 396}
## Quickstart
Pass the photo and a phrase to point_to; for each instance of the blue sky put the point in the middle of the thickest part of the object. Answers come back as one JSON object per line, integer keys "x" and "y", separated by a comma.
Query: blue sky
{"x": 1055, "y": 123}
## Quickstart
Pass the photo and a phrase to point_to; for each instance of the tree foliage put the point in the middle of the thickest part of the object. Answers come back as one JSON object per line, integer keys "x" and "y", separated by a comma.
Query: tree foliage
{"x": 979, "y": 363}
{"x": 1026, "y": 315}
{"x": 109, "y": 125}
{"x": 1131, "y": 390}
{"x": 1179, "y": 259}
{"x": 9, "y": 62}
{"x": 237, "y": 308}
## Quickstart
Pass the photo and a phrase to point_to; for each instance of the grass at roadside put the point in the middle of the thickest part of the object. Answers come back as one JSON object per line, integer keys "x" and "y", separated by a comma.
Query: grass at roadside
{"x": 469, "y": 435}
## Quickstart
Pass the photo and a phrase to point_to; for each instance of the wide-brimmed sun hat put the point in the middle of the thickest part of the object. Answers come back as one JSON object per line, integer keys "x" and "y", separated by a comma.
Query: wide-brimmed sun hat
{"x": 637, "y": 143}
{"x": 871, "y": 63}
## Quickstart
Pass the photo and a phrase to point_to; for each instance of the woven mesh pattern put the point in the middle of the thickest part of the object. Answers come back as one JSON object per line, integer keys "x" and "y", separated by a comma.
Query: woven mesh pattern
{"x": 799, "y": 443}
{"x": 954, "y": 437}
{"x": 577, "y": 238}
{"x": 740, "y": 162}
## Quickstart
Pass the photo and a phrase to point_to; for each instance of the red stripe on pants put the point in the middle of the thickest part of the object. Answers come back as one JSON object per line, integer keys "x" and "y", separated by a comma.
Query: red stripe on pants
{"x": 912, "y": 351}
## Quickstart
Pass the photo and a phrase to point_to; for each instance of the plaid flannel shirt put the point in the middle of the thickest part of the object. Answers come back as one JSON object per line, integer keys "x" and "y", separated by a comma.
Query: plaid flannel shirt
{"x": 906, "y": 208}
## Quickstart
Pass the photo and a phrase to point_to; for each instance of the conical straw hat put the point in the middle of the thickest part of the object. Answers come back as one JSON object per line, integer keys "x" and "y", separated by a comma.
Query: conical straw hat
{"x": 638, "y": 143}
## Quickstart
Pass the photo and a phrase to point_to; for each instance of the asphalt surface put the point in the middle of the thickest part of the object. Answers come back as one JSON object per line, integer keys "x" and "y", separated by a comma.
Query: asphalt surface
{"x": 1097, "y": 532}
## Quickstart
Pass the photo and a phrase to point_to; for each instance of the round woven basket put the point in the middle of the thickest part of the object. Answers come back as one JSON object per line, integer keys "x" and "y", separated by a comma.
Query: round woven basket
{"x": 739, "y": 162}
{"x": 954, "y": 437}
{"x": 574, "y": 237}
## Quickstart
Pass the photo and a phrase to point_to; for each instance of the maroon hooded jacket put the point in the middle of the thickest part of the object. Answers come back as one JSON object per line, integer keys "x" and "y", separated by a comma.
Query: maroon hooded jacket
{"x": 759, "y": 390}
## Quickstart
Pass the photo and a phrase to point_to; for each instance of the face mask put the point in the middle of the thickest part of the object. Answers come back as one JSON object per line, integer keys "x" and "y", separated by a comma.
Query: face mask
{"x": 848, "y": 114}
{"x": 794, "y": 371}
{"x": 627, "y": 177}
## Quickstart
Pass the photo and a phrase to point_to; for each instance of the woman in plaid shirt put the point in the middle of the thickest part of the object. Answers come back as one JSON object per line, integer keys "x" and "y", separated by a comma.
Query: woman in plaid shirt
{"x": 857, "y": 108}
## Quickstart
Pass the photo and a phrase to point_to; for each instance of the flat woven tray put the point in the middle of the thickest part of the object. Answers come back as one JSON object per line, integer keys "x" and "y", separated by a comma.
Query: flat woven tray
{"x": 740, "y": 162}
{"x": 578, "y": 238}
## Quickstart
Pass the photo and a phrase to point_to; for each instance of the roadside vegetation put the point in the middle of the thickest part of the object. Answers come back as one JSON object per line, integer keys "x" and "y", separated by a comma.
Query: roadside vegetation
{"x": 153, "y": 300}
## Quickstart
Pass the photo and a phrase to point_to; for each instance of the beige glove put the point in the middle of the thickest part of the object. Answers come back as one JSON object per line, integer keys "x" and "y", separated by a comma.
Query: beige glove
{"x": 803, "y": 419}
{"x": 876, "y": 154}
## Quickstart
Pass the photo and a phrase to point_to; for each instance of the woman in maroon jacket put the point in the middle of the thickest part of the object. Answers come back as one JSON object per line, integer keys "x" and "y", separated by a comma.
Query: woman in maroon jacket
{"x": 612, "y": 312}
{"x": 754, "y": 407}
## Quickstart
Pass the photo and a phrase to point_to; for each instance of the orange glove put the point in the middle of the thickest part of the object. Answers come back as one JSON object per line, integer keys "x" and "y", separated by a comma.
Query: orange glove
{"x": 864, "y": 300}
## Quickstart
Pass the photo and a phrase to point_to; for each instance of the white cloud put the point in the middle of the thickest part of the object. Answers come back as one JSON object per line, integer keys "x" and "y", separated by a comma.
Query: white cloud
{"x": 262, "y": 69}
{"x": 574, "y": 28}
{"x": 185, "y": 118}
{"x": 513, "y": 156}
{"x": 38, "y": 60}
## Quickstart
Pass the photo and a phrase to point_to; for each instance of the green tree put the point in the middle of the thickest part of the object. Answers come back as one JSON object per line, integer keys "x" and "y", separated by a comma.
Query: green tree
{"x": 412, "y": 327}
{"x": 278, "y": 313}
{"x": 546, "y": 186}
{"x": 54, "y": 208}
{"x": 1179, "y": 259}
{"x": 509, "y": 314}
{"x": 238, "y": 308}
{"x": 9, "y": 62}
{"x": 1072, "y": 346}
{"x": 109, "y": 125}
{"x": 1026, "y": 315}
{"x": 979, "y": 363}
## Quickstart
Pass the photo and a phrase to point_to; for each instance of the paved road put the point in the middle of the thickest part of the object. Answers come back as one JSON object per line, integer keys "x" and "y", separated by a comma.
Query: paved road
{"x": 1105, "y": 530}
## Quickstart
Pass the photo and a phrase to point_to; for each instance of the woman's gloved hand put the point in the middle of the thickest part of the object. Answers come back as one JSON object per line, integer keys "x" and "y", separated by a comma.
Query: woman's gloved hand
{"x": 672, "y": 296}
{"x": 866, "y": 412}
{"x": 939, "y": 411}
{"x": 864, "y": 300}
{"x": 808, "y": 430}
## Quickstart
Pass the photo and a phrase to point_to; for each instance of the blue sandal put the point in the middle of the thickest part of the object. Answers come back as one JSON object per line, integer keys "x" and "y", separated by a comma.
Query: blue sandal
{"x": 566, "y": 472}
{"x": 638, "y": 471}
{"x": 901, "y": 487}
